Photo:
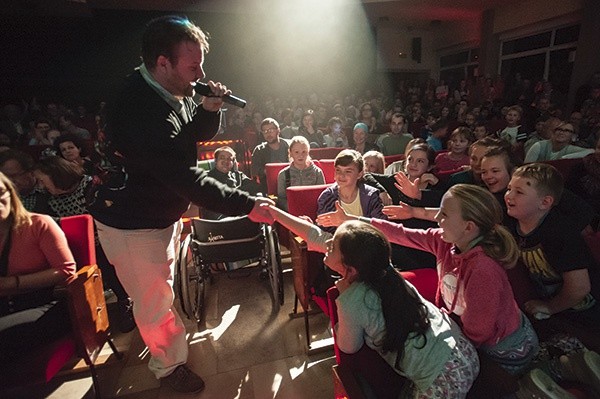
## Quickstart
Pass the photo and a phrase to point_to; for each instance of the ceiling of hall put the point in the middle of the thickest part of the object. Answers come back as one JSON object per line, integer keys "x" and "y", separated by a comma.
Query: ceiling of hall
{"x": 376, "y": 10}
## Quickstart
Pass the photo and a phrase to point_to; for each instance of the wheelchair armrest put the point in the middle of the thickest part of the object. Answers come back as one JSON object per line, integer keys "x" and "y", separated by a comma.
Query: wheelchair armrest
{"x": 88, "y": 312}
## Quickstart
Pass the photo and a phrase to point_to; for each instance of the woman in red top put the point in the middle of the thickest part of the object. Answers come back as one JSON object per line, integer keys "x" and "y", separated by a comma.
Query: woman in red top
{"x": 34, "y": 258}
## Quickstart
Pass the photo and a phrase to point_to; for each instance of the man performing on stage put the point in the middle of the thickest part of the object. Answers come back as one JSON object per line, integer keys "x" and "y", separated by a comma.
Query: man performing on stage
{"x": 153, "y": 125}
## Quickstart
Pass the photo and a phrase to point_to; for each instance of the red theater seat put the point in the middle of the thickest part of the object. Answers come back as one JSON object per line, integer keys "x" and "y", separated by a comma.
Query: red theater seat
{"x": 564, "y": 166}
{"x": 389, "y": 159}
{"x": 88, "y": 313}
{"x": 328, "y": 168}
{"x": 302, "y": 201}
{"x": 325, "y": 153}
{"x": 272, "y": 171}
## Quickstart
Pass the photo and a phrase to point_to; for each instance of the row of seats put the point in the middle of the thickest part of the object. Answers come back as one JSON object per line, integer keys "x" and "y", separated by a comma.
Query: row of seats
{"x": 564, "y": 166}
{"x": 327, "y": 166}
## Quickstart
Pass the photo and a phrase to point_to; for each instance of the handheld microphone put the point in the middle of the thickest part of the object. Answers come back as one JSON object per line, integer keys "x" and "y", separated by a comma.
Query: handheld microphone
{"x": 204, "y": 89}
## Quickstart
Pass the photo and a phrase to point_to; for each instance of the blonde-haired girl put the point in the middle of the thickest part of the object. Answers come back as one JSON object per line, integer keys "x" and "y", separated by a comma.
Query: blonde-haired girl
{"x": 300, "y": 172}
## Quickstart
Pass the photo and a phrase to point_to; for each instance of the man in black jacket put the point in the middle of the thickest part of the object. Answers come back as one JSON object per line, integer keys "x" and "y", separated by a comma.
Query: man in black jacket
{"x": 153, "y": 125}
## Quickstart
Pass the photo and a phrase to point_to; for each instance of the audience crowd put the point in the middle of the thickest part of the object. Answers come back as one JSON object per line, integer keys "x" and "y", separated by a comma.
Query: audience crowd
{"x": 477, "y": 131}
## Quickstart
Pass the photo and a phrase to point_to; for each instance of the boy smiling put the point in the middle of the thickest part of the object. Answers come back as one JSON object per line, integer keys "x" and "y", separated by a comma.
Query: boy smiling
{"x": 552, "y": 249}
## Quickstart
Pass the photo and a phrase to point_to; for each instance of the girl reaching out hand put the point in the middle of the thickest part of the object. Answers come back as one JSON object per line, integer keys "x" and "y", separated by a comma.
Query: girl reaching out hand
{"x": 377, "y": 307}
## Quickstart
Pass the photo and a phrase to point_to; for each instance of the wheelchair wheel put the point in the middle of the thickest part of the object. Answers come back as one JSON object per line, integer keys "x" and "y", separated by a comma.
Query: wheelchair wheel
{"x": 192, "y": 282}
{"x": 274, "y": 267}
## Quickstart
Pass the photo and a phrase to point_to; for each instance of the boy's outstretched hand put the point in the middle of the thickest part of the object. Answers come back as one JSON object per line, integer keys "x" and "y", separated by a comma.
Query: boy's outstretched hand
{"x": 333, "y": 219}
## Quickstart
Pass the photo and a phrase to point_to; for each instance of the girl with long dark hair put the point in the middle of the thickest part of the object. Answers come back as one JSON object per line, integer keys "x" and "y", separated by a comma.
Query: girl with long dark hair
{"x": 380, "y": 309}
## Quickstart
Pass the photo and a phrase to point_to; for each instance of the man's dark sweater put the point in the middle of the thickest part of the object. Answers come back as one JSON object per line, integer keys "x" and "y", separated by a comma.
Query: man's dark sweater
{"x": 157, "y": 148}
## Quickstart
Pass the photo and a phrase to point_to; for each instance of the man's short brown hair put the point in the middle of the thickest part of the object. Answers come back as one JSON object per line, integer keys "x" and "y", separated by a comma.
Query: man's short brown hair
{"x": 163, "y": 34}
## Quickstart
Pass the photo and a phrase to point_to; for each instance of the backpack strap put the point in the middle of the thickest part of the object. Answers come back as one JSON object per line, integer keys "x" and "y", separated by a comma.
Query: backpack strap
{"x": 288, "y": 178}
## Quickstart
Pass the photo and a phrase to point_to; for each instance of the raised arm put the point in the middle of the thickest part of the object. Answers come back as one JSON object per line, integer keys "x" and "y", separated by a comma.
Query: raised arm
{"x": 301, "y": 227}
{"x": 404, "y": 211}
{"x": 335, "y": 218}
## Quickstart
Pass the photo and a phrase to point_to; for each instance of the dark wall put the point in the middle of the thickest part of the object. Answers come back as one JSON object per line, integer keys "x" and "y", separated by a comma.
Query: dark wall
{"x": 81, "y": 59}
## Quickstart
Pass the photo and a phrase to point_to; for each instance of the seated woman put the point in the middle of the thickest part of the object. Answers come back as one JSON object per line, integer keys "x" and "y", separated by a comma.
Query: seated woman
{"x": 419, "y": 164}
{"x": 70, "y": 147}
{"x": 359, "y": 135}
{"x": 398, "y": 166}
{"x": 35, "y": 258}
{"x": 417, "y": 167}
{"x": 557, "y": 147}
{"x": 68, "y": 188}
{"x": 497, "y": 166}
{"x": 381, "y": 310}
{"x": 300, "y": 172}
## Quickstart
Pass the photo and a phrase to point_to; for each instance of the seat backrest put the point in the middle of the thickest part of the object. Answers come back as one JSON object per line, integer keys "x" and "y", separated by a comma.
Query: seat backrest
{"x": 564, "y": 166}
{"x": 328, "y": 168}
{"x": 87, "y": 306}
{"x": 86, "y": 293}
{"x": 302, "y": 200}
{"x": 389, "y": 159}
{"x": 444, "y": 175}
{"x": 79, "y": 231}
{"x": 272, "y": 171}
{"x": 325, "y": 153}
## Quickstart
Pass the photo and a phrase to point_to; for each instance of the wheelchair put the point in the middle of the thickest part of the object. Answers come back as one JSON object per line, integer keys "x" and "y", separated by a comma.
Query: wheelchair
{"x": 226, "y": 240}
